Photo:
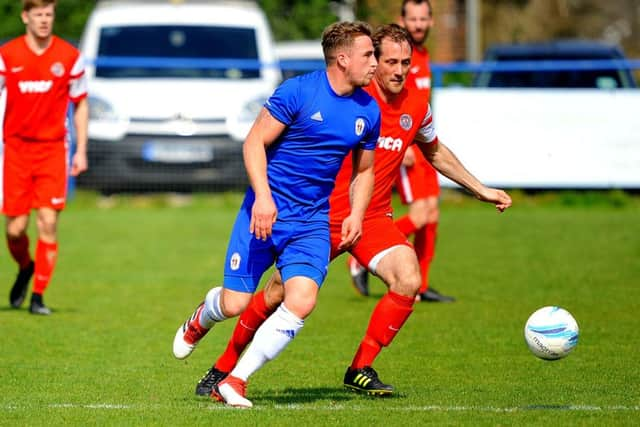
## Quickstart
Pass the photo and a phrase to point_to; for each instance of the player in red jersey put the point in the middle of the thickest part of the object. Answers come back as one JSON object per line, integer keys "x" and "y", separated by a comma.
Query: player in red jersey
{"x": 406, "y": 119}
{"x": 41, "y": 73}
{"x": 417, "y": 181}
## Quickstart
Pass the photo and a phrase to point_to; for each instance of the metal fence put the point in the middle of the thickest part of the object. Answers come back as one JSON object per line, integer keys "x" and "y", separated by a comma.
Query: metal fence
{"x": 181, "y": 155}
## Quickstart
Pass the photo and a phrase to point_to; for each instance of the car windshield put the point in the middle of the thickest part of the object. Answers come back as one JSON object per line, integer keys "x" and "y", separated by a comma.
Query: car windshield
{"x": 605, "y": 79}
{"x": 186, "y": 52}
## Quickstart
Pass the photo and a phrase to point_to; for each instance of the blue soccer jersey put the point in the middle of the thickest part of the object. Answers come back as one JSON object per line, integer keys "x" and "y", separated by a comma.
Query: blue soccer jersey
{"x": 302, "y": 165}
{"x": 322, "y": 127}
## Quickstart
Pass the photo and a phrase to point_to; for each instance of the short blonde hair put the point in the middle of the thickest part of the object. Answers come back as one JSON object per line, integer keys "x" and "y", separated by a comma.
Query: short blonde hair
{"x": 341, "y": 35}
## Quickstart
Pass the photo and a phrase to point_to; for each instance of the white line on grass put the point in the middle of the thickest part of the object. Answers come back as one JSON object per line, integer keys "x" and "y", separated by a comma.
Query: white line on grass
{"x": 295, "y": 407}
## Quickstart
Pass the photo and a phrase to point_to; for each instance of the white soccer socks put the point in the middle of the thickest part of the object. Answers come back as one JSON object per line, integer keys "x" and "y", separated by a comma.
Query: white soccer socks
{"x": 196, "y": 327}
{"x": 270, "y": 339}
{"x": 212, "y": 312}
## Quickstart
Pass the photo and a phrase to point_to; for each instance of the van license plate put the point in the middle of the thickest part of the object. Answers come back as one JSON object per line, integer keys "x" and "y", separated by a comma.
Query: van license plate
{"x": 181, "y": 152}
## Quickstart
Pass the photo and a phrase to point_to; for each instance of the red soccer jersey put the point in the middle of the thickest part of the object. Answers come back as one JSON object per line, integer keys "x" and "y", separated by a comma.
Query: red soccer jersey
{"x": 39, "y": 88}
{"x": 401, "y": 121}
{"x": 420, "y": 71}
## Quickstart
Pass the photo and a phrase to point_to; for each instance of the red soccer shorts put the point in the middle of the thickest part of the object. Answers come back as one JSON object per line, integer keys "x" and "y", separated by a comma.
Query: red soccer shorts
{"x": 378, "y": 234}
{"x": 34, "y": 176}
{"x": 418, "y": 181}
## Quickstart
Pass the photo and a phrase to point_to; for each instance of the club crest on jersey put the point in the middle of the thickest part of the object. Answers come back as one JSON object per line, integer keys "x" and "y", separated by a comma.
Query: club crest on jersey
{"x": 234, "y": 262}
{"x": 406, "y": 121}
{"x": 57, "y": 69}
{"x": 359, "y": 126}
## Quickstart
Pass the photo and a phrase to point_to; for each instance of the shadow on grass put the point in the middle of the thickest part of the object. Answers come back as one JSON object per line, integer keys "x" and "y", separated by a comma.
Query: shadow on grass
{"x": 294, "y": 396}
{"x": 25, "y": 309}
{"x": 547, "y": 407}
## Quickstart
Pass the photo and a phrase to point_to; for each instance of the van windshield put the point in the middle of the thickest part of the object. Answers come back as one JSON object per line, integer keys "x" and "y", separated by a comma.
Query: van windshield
{"x": 183, "y": 52}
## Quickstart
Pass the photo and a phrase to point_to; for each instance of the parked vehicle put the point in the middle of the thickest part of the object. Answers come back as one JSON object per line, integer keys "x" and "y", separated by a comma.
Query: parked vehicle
{"x": 566, "y": 77}
{"x": 172, "y": 90}
{"x": 560, "y": 115}
{"x": 299, "y": 57}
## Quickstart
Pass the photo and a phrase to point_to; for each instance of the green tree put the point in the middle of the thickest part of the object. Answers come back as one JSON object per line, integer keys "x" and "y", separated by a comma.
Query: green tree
{"x": 298, "y": 19}
{"x": 289, "y": 19}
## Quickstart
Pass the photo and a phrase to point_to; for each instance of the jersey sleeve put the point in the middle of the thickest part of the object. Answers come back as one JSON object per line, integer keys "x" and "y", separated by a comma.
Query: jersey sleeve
{"x": 3, "y": 72}
{"x": 427, "y": 131}
{"x": 371, "y": 138}
{"x": 283, "y": 104}
{"x": 78, "y": 81}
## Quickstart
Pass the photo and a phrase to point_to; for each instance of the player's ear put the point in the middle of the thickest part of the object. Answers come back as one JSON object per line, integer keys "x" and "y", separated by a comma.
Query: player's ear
{"x": 24, "y": 17}
{"x": 342, "y": 59}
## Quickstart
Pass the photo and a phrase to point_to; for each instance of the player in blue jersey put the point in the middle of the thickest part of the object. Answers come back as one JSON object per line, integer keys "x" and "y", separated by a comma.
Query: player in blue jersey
{"x": 292, "y": 155}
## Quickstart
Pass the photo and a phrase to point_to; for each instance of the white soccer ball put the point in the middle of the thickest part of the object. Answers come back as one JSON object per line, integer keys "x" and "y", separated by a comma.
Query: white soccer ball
{"x": 551, "y": 333}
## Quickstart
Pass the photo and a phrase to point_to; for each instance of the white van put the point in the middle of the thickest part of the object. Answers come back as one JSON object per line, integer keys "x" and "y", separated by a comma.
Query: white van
{"x": 168, "y": 81}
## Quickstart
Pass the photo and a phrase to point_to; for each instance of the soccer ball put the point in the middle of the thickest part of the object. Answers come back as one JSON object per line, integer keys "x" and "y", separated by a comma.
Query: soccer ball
{"x": 551, "y": 333}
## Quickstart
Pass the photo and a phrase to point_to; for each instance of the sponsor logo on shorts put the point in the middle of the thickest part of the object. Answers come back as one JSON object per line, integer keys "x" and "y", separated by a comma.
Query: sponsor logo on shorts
{"x": 234, "y": 263}
{"x": 57, "y": 200}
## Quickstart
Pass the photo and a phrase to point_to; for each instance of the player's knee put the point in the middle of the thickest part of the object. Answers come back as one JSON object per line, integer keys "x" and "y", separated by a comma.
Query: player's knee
{"x": 300, "y": 305}
{"x": 433, "y": 215}
{"x": 16, "y": 227}
{"x": 420, "y": 213}
{"x": 47, "y": 228}
{"x": 408, "y": 283}
{"x": 15, "y": 233}
{"x": 232, "y": 305}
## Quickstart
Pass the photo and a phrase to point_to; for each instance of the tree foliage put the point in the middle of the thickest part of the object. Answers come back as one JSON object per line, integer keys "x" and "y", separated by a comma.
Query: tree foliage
{"x": 616, "y": 21}
{"x": 295, "y": 19}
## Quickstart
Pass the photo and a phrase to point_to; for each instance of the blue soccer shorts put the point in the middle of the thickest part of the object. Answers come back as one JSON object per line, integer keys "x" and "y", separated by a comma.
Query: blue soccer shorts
{"x": 298, "y": 249}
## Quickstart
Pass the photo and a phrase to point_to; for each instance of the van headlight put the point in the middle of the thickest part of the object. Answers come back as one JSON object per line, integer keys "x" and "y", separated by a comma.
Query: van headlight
{"x": 101, "y": 110}
{"x": 104, "y": 123}
{"x": 250, "y": 110}
{"x": 239, "y": 123}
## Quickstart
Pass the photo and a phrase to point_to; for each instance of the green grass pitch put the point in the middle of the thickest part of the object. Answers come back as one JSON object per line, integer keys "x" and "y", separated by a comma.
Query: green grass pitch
{"x": 131, "y": 269}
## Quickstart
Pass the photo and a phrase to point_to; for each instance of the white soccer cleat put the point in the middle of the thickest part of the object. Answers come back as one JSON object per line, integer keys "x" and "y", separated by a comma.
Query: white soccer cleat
{"x": 188, "y": 335}
{"x": 232, "y": 391}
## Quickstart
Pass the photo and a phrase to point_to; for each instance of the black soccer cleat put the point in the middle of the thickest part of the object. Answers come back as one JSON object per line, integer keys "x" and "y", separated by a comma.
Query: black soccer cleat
{"x": 209, "y": 380}
{"x": 431, "y": 295}
{"x": 365, "y": 380}
{"x": 38, "y": 307}
{"x": 19, "y": 289}
{"x": 359, "y": 277}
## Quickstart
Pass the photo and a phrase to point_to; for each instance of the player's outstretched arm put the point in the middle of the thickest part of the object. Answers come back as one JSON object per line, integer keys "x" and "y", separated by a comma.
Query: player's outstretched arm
{"x": 450, "y": 166}
{"x": 265, "y": 130}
